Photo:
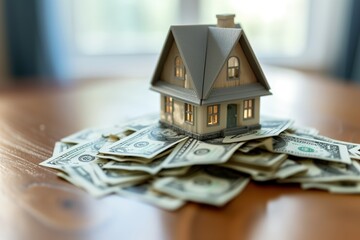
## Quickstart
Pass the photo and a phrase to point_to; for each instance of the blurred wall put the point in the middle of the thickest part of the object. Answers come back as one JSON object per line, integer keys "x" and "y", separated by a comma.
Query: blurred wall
{"x": 3, "y": 62}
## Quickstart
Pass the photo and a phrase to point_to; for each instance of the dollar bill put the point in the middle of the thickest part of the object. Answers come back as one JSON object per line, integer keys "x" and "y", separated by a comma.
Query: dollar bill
{"x": 194, "y": 152}
{"x": 269, "y": 127}
{"x": 214, "y": 185}
{"x": 334, "y": 187}
{"x": 266, "y": 143}
{"x": 146, "y": 143}
{"x": 86, "y": 135}
{"x": 117, "y": 133}
{"x": 84, "y": 177}
{"x": 286, "y": 169}
{"x": 259, "y": 158}
{"x": 117, "y": 176}
{"x": 132, "y": 125}
{"x": 353, "y": 148}
{"x": 310, "y": 148}
{"x": 319, "y": 171}
{"x": 171, "y": 172}
{"x": 151, "y": 168}
{"x": 78, "y": 155}
{"x": 145, "y": 192}
{"x": 61, "y": 147}
{"x": 143, "y": 122}
{"x": 123, "y": 158}
{"x": 302, "y": 130}
{"x": 355, "y": 154}
{"x": 133, "y": 159}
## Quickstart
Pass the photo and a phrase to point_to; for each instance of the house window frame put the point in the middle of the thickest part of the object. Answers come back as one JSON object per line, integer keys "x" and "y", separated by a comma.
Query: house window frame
{"x": 249, "y": 107}
{"x": 179, "y": 70}
{"x": 169, "y": 104}
{"x": 235, "y": 68}
{"x": 189, "y": 113}
{"x": 212, "y": 115}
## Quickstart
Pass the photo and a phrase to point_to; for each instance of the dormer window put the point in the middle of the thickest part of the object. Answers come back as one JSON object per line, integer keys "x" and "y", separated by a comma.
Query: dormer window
{"x": 233, "y": 68}
{"x": 179, "y": 68}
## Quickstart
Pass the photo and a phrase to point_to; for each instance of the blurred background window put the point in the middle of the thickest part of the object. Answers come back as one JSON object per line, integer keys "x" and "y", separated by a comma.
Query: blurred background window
{"x": 3, "y": 62}
{"x": 112, "y": 38}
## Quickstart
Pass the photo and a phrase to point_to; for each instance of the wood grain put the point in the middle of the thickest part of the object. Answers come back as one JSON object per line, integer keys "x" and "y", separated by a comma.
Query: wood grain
{"x": 35, "y": 204}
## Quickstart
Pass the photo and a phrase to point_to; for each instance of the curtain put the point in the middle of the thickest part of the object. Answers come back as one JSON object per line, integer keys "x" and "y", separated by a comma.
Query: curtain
{"x": 348, "y": 63}
{"x": 35, "y": 49}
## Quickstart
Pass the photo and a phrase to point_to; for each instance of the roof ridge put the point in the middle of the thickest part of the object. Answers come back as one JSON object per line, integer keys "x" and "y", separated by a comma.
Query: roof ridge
{"x": 206, "y": 52}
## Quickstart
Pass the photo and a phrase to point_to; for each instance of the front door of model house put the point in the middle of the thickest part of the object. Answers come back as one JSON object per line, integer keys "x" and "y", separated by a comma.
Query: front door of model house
{"x": 231, "y": 115}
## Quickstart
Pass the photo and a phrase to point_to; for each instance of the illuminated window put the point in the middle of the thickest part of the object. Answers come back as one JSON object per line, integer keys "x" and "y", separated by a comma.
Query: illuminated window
{"x": 189, "y": 113}
{"x": 168, "y": 104}
{"x": 233, "y": 68}
{"x": 179, "y": 68}
{"x": 249, "y": 109}
{"x": 213, "y": 115}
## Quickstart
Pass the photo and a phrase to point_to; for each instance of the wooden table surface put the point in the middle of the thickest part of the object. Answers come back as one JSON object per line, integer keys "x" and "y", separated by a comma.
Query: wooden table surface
{"x": 35, "y": 204}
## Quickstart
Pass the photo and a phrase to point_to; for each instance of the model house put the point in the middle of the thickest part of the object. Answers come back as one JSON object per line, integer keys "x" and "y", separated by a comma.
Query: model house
{"x": 209, "y": 80}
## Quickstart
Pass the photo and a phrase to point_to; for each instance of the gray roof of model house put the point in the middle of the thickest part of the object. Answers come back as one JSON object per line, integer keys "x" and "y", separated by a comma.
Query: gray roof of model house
{"x": 204, "y": 50}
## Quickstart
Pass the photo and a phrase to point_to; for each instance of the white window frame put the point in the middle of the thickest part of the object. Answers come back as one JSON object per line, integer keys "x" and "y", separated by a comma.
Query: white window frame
{"x": 248, "y": 109}
{"x": 179, "y": 68}
{"x": 213, "y": 118}
{"x": 169, "y": 105}
{"x": 189, "y": 110}
{"x": 233, "y": 68}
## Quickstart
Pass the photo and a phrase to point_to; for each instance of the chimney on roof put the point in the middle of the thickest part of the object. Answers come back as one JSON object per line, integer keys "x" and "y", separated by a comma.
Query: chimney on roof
{"x": 225, "y": 20}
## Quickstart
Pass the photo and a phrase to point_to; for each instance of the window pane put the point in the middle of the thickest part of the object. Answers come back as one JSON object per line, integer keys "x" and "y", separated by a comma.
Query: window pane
{"x": 120, "y": 27}
{"x": 274, "y": 28}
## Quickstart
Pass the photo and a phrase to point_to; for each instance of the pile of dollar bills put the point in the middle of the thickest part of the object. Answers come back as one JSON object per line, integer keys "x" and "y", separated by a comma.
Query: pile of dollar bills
{"x": 146, "y": 161}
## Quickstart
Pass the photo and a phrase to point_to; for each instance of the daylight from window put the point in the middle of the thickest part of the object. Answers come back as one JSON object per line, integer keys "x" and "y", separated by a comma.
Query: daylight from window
{"x": 113, "y": 27}
{"x": 274, "y": 28}
{"x": 122, "y": 27}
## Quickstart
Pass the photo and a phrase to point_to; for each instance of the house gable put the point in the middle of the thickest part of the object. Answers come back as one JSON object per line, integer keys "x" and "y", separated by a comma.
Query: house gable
{"x": 190, "y": 41}
{"x": 250, "y": 70}
{"x": 168, "y": 71}
{"x": 246, "y": 74}
{"x": 220, "y": 43}
{"x": 253, "y": 62}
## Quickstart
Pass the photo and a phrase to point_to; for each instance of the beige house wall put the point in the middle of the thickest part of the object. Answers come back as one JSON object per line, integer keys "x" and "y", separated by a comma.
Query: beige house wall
{"x": 246, "y": 73}
{"x": 168, "y": 71}
{"x": 177, "y": 118}
{"x": 204, "y": 128}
